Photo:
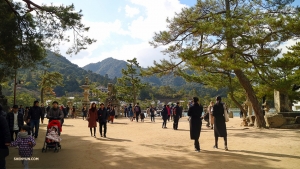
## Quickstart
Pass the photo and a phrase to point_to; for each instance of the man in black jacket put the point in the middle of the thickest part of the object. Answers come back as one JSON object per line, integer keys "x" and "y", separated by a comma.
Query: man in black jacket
{"x": 15, "y": 122}
{"x": 102, "y": 119}
{"x": 4, "y": 139}
{"x": 34, "y": 115}
{"x": 138, "y": 111}
{"x": 177, "y": 112}
{"x": 195, "y": 113}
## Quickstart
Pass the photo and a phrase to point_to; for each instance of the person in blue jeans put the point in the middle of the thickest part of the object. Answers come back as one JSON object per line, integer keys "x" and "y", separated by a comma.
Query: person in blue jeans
{"x": 35, "y": 114}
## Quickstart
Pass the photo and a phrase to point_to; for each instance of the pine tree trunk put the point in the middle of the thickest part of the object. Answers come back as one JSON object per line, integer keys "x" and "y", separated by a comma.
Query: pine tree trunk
{"x": 42, "y": 95}
{"x": 237, "y": 103}
{"x": 244, "y": 81}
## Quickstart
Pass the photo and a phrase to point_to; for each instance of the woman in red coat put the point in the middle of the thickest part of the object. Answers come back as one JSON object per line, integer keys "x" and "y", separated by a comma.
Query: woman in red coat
{"x": 92, "y": 118}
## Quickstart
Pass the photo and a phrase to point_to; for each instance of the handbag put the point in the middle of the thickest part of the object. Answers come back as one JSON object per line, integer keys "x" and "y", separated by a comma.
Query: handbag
{"x": 88, "y": 116}
{"x": 226, "y": 116}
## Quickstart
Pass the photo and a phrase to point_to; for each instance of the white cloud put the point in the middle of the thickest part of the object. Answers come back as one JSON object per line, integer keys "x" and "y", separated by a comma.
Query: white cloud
{"x": 131, "y": 12}
{"x": 157, "y": 11}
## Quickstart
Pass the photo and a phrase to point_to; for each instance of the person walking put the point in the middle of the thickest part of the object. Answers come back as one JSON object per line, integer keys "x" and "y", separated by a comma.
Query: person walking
{"x": 169, "y": 112}
{"x": 55, "y": 113}
{"x": 130, "y": 112}
{"x": 137, "y": 111}
{"x": 92, "y": 118}
{"x": 164, "y": 114}
{"x": 125, "y": 111}
{"x": 73, "y": 112}
{"x": 152, "y": 111}
{"x": 5, "y": 139}
{"x": 112, "y": 114}
{"x": 43, "y": 108}
{"x": 219, "y": 123}
{"x": 195, "y": 114}
{"x": 35, "y": 114}
{"x": 142, "y": 116}
{"x": 177, "y": 112}
{"x": 15, "y": 122}
{"x": 21, "y": 110}
{"x": 67, "y": 111}
{"x": 84, "y": 112}
{"x": 25, "y": 117}
{"x": 25, "y": 142}
{"x": 102, "y": 119}
{"x": 211, "y": 117}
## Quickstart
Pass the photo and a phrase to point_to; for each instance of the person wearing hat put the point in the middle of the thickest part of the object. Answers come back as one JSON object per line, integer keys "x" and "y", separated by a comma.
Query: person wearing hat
{"x": 195, "y": 113}
{"x": 15, "y": 121}
{"x": 35, "y": 114}
{"x": 55, "y": 113}
{"x": 5, "y": 139}
{"x": 219, "y": 122}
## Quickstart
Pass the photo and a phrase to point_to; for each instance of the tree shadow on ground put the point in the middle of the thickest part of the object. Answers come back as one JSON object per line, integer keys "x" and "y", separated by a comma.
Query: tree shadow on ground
{"x": 113, "y": 139}
{"x": 119, "y": 123}
{"x": 266, "y": 154}
{"x": 84, "y": 153}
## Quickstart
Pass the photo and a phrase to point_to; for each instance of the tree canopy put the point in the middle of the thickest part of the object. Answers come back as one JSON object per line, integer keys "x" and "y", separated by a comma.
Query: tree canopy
{"x": 129, "y": 85}
{"x": 224, "y": 37}
{"x": 27, "y": 29}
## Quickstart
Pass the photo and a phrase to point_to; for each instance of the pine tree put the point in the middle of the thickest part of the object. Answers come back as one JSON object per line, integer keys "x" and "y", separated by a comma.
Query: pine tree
{"x": 228, "y": 37}
{"x": 129, "y": 85}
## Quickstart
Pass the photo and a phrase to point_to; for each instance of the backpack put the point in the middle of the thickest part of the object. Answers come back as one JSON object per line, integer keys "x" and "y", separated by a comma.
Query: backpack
{"x": 137, "y": 109}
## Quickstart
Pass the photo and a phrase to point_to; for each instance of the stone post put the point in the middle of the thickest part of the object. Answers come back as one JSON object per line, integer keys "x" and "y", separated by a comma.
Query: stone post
{"x": 281, "y": 102}
{"x": 250, "y": 110}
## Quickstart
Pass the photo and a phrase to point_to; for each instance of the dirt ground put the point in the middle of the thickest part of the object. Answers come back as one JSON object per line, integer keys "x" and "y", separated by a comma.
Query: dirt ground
{"x": 148, "y": 146}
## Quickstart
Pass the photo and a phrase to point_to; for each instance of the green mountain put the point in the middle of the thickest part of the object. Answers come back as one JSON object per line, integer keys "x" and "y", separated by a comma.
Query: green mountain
{"x": 111, "y": 67}
{"x": 73, "y": 75}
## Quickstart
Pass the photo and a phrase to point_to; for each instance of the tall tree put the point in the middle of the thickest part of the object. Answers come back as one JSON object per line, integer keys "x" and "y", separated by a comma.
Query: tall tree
{"x": 239, "y": 37}
{"x": 129, "y": 85}
{"x": 48, "y": 82}
{"x": 27, "y": 29}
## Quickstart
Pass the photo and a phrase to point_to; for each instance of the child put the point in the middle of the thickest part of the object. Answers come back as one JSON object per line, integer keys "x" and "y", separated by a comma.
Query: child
{"x": 25, "y": 142}
{"x": 142, "y": 117}
{"x": 53, "y": 135}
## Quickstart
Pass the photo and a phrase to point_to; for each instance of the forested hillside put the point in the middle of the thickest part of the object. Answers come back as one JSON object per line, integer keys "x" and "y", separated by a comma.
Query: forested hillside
{"x": 73, "y": 76}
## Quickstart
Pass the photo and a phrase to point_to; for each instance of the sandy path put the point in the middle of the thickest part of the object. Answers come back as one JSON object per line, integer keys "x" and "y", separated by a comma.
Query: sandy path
{"x": 148, "y": 146}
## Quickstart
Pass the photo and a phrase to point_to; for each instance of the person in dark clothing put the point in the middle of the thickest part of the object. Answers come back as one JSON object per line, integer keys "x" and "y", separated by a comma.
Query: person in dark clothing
{"x": 112, "y": 114}
{"x": 137, "y": 111}
{"x": 55, "y": 113}
{"x": 220, "y": 125}
{"x": 177, "y": 112}
{"x": 35, "y": 114}
{"x": 164, "y": 114}
{"x": 125, "y": 111}
{"x": 84, "y": 112}
{"x": 152, "y": 110}
{"x": 195, "y": 113}
{"x": 47, "y": 109}
{"x": 67, "y": 111}
{"x": 15, "y": 122}
{"x": 5, "y": 139}
{"x": 43, "y": 111}
{"x": 21, "y": 110}
{"x": 102, "y": 119}
{"x": 25, "y": 117}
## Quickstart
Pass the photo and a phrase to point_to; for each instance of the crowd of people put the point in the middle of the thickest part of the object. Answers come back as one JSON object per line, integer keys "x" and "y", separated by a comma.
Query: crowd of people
{"x": 20, "y": 127}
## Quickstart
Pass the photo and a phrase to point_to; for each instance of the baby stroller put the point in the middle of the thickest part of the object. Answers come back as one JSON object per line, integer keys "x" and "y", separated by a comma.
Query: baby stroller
{"x": 50, "y": 144}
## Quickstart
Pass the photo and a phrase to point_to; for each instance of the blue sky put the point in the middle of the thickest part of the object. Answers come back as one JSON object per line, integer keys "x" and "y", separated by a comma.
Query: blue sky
{"x": 123, "y": 28}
